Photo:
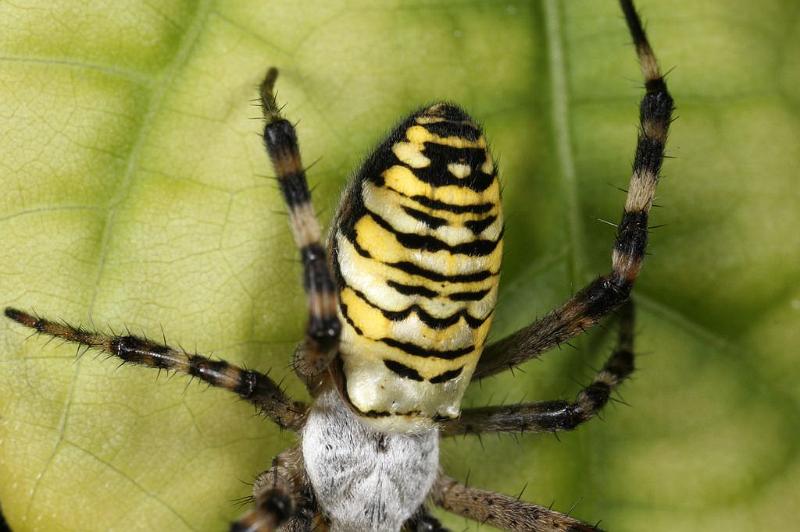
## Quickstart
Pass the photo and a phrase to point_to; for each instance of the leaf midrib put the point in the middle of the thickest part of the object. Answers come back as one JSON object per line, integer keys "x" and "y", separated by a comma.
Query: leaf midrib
{"x": 563, "y": 138}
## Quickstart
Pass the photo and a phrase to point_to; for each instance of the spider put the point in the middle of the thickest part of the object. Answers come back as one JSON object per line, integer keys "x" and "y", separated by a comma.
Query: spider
{"x": 400, "y": 302}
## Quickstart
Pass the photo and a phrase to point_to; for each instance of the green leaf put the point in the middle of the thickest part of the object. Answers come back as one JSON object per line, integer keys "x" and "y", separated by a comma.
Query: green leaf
{"x": 134, "y": 193}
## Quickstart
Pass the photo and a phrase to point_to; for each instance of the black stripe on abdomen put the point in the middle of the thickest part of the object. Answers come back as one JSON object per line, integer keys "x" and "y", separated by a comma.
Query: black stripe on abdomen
{"x": 428, "y": 319}
{"x": 446, "y": 376}
{"x": 438, "y": 175}
{"x": 476, "y": 208}
{"x": 412, "y": 290}
{"x": 476, "y": 248}
{"x": 403, "y": 370}
{"x": 449, "y": 128}
{"x": 478, "y": 226}
{"x": 434, "y": 222}
{"x": 412, "y": 269}
{"x": 419, "y": 351}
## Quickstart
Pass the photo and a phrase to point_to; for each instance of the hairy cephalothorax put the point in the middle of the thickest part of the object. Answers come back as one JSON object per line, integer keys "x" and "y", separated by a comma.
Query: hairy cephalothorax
{"x": 400, "y": 305}
{"x": 366, "y": 478}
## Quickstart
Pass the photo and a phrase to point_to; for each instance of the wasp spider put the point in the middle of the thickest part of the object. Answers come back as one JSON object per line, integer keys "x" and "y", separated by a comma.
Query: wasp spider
{"x": 400, "y": 305}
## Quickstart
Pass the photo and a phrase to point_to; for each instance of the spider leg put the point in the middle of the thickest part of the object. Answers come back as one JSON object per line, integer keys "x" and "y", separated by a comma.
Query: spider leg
{"x": 278, "y": 495}
{"x": 551, "y": 416}
{"x": 423, "y": 521}
{"x": 322, "y": 333}
{"x": 250, "y": 385}
{"x": 607, "y": 292}
{"x": 306, "y": 519}
{"x": 501, "y": 511}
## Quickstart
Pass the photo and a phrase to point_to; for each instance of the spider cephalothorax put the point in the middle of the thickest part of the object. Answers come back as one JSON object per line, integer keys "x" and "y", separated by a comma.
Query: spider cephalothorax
{"x": 399, "y": 309}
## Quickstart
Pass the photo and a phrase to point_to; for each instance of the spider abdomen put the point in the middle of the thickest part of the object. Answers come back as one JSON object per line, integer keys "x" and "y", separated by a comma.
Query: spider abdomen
{"x": 417, "y": 253}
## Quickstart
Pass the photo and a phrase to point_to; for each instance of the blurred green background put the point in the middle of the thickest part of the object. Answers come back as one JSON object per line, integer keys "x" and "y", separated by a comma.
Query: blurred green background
{"x": 134, "y": 193}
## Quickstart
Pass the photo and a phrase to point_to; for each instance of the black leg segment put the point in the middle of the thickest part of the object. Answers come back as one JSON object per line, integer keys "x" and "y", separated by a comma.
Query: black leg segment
{"x": 323, "y": 330}
{"x": 250, "y": 385}
{"x": 552, "y": 416}
{"x": 278, "y": 495}
{"x": 607, "y": 292}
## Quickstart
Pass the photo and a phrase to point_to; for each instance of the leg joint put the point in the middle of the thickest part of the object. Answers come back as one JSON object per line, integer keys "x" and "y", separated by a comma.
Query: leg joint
{"x": 605, "y": 294}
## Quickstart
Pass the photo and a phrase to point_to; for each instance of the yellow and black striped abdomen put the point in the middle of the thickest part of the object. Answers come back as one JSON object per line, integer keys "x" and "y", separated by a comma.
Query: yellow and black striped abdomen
{"x": 417, "y": 251}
